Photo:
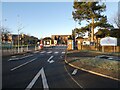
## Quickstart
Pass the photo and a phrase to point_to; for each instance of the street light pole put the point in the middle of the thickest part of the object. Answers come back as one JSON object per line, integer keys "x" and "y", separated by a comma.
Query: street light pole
{"x": 18, "y": 31}
{"x": 19, "y": 28}
{"x": 18, "y": 40}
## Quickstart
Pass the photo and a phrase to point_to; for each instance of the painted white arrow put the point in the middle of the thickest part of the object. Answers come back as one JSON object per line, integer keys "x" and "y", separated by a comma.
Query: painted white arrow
{"x": 44, "y": 80}
{"x": 51, "y": 61}
{"x": 50, "y": 58}
{"x": 74, "y": 72}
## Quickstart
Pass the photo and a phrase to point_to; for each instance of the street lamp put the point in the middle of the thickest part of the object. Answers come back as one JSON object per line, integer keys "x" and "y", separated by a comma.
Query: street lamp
{"x": 18, "y": 40}
{"x": 19, "y": 28}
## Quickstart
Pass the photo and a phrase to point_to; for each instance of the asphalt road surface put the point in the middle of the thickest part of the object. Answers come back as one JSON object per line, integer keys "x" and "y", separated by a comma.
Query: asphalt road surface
{"x": 46, "y": 69}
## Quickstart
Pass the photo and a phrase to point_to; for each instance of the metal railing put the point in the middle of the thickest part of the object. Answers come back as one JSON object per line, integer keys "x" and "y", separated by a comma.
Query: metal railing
{"x": 8, "y": 49}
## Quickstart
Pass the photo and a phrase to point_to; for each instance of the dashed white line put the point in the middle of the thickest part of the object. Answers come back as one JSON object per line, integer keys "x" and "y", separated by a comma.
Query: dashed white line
{"x": 23, "y": 64}
{"x": 13, "y": 59}
{"x": 27, "y": 56}
{"x": 56, "y": 52}
{"x": 49, "y": 52}
{"x": 63, "y": 52}
{"x": 13, "y": 56}
{"x": 43, "y": 52}
{"x": 36, "y": 51}
{"x": 44, "y": 80}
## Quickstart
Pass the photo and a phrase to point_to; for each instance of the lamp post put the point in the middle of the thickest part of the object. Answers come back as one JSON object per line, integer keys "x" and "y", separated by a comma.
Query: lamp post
{"x": 19, "y": 28}
{"x": 18, "y": 40}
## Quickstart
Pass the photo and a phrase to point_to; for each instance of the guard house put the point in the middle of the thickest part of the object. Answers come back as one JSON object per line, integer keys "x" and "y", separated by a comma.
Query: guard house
{"x": 47, "y": 41}
{"x": 70, "y": 43}
{"x": 79, "y": 41}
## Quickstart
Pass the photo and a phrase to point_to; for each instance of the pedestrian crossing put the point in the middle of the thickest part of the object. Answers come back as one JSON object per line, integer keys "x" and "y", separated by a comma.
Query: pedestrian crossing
{"x": 52, "y": 52}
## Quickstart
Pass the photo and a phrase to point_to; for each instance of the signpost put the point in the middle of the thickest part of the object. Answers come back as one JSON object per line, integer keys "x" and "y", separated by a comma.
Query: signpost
{"x": 108, "y": 41}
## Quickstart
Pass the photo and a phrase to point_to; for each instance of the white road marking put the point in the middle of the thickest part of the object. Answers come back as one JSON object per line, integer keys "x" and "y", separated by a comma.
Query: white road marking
{"x": 50, "y": 58}
{"x": 23, "y": 64}
{"x": 13, "y": 56}
{"x": 36, "y": 51}
{"x": 72, "y": 78}
{"x": 63, "y": 52}
{"x": 56, "y": 52}
{"x": 44, "y": 80}
{"x": 19, "y": 58}
{"x": 61, "y": 56}
{"x": 51, "y": 61}
{"x": 74, "y": 71}
{"x": 43, "y": 52}
{"x": 13, "y": 59}
{"x": 26, "y": 56}
{"x": 49, "y": 52}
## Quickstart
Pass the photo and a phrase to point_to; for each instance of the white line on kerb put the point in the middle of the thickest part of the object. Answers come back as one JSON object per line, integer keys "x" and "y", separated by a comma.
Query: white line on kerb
{"x": 50, "y": 58}
{"x": 44, "y": 80}
{"x": 23, "y": 64}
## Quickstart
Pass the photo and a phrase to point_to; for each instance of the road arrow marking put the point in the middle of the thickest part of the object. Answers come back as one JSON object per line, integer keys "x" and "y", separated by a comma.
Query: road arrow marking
{"x": 51, "y": 61}
{"x": 74, "y": 71}
{"x": 44, "y": 80}
{"x": 50, "y": 58}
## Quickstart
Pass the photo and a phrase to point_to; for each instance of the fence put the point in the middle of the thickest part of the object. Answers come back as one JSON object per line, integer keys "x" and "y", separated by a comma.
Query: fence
{"x": 8, "y": 49}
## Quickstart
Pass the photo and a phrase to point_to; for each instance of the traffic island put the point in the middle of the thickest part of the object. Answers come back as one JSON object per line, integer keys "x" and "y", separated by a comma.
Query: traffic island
{"x": 88, "y": 62}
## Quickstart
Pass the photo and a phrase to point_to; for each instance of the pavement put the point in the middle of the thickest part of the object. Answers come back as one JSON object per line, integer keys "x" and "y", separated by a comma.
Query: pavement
{"x": 46, "y": 69}
{"x": 73, "y": 59}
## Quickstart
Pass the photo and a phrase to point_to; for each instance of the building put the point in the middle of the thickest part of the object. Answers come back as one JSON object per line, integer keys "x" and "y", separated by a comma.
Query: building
{"x": 7, "y": 38}
{"x": 47, "y": 41}
{"x": 60, "y": 39}
{"x": 24, "y": 39}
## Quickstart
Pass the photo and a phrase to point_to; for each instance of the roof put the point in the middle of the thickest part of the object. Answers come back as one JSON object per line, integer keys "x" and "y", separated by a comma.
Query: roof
{"x": 79, "y": 38}
{"x": 47, "y": 38}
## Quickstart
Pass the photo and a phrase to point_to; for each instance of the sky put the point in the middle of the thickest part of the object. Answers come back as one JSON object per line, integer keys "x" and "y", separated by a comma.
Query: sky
{"x": 43, "y": 19}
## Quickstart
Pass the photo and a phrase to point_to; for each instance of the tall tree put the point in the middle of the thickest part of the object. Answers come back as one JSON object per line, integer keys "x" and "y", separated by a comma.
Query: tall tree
{"x": 92, "y": 13}
{"x": 102, "y": 33}
{"x": 4, "y": 31}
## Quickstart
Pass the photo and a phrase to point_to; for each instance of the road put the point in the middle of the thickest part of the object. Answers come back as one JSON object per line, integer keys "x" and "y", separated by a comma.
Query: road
{"x": 47, "y": 69}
